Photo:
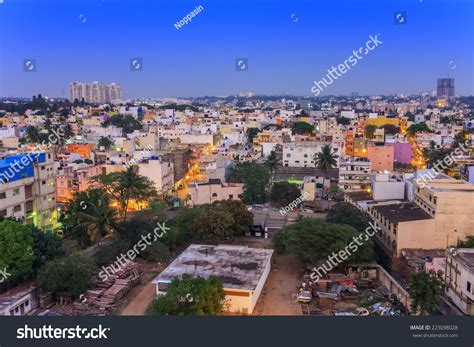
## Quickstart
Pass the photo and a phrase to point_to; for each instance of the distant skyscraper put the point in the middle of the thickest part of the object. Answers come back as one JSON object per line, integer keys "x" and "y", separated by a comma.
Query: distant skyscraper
{"x": 445, "y": 88}
{"x": 95, "y": 93}
{"x": 354, "y": 95}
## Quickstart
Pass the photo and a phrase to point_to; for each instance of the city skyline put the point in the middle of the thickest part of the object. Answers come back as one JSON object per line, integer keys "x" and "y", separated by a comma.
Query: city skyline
{"x": 286, "y": 47}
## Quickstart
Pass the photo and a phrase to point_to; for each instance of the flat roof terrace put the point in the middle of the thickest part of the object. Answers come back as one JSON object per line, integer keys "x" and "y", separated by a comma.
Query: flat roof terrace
{"x": 238, "y": 267}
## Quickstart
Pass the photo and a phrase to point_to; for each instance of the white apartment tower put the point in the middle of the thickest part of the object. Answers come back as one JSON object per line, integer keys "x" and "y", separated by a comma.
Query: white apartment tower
{"x": 95, "y": 92}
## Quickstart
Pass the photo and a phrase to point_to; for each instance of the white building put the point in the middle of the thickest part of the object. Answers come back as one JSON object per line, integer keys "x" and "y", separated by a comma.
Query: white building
{"x": 460, "y": 278}
{"x": 300, "y": 154}
{"x": 354, "y": 174}
{"x": 18, "y": 301}
{"x": 242, "y": 270}
{"x": 385, "y": 187}
{"x": 95, "y": 92}
{"x": 159, "y": 172}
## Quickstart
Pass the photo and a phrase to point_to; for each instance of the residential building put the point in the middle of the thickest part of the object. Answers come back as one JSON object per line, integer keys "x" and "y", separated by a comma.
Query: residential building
{"x": 214, "y": 190}
{"x": 445, "y": 88}
{"x": 95, "y": 92}
{"x": 354, "y": 173}
{"x": 460, "y": 278}
{"x": 161, "y": 173}
{"x": 301, "y": 154}
{"x": 381, "y": 156}
{"x": 242, "y": 270}
{"x": 27, "y": 189}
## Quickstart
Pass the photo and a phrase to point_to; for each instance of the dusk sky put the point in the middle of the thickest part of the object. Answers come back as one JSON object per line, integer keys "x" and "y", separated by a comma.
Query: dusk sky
{"x": 288, "y": 44}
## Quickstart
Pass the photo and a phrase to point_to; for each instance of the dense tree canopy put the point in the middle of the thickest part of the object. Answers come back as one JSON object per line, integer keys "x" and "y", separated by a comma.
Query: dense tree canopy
{"x": 302, "y": 128}
{"x": 345, "y": 213}
{"x": 70, "y": 274}
{"x": 127, "y": 123}
{"x": 283, "y": 193}
{"x": 425, "y": 290}
{"x": 255, "y": 178}
{"x": 191, "y": 297}
{"x": 16, "y": 251}
{"x": 313, "y": 240}
{"x": 243, "y": 219}
{"x": 416, "y": 128}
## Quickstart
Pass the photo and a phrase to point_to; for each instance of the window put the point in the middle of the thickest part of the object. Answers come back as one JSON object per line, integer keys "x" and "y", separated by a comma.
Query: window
{"x": 231, "y": 196}
{"x": 468, "y": 286}
{"x": 3, "y": 195}
{"x": 16, "y": 191}
{"x": 3, "y": 213}
{"x": 43, "y": 182}
{"x": 17, "y": 208}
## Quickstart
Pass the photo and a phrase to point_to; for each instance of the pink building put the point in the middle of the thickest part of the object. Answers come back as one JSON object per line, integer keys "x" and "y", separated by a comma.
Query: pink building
{"x": 403, "y": 152}
{"x": 381, "y": 156}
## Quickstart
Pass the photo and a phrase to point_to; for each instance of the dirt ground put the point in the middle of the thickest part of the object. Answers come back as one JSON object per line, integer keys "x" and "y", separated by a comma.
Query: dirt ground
{"x": 277, "y": 296}
{"x": 139, "y": 298}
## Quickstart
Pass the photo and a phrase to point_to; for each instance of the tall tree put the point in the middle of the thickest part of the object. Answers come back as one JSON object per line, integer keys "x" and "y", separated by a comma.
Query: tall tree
{"x": 272, "y": 161}
{"x": 16, "y": 252}
{"x": 325, "y": 160}
{"x": 425, "y": 290}
{"x": 126, "y": 185}
{"x": 99, "y": 221}
{"x": 255, "y": 178}
{"x": 243, "y": 219}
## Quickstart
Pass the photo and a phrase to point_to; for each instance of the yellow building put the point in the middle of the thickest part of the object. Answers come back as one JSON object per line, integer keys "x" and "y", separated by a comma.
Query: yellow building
{"x": 382, "y": 120}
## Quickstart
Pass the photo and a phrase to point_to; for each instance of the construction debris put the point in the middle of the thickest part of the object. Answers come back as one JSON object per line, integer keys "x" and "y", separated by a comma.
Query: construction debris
{"x": 104, "y": 298}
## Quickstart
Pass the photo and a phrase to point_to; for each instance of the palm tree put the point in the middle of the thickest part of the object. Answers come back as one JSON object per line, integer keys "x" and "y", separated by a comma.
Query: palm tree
{"x": 325, "y": 161}
{"x": 99, "y": 221}
{"x": 131, "y": 185}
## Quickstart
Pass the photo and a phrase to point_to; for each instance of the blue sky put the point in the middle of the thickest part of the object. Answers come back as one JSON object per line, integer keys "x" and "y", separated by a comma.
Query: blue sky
{"x": 284, "y": 55}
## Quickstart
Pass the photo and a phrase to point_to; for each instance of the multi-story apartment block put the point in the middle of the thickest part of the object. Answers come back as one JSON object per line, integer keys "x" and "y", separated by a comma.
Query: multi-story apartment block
{"x": 301, "y": 154}
{"x": 354, "y": 174}
{"x": 161, "y": 173}
{"x": 381, "y": 156}
{"x": 460, "y": 278}
{"x": 27, "y": 189}
{"x": 70, "y": 181}
{"x": 439, "y": 217}
{"x": 95, "y": 92}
